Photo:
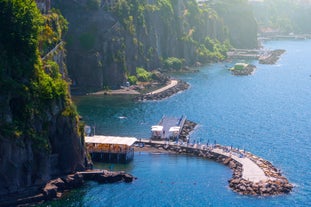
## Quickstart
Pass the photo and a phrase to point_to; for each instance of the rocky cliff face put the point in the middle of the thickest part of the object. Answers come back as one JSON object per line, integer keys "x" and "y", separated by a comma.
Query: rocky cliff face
{"x": 27, "y": 162}
{"x": 240, "y": 22}
{"x": 40, "y": 135}
{"x": 105, "y": 44}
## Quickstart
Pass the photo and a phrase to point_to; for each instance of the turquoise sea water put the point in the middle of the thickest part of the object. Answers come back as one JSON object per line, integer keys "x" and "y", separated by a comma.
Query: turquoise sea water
{"x": 268, "y": 114}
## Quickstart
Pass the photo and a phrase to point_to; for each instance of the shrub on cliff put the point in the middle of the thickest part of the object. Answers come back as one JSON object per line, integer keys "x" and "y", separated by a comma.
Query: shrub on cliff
{"x": 37, "y": 117}
{"x": 173, "y": 63}
{"x": 132, "y": 79}
{"x": 142, "y": 75}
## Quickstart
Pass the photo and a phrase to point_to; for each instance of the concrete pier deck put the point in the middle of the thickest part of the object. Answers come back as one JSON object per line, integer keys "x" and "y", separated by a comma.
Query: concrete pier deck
{"x": 167, "y": 124}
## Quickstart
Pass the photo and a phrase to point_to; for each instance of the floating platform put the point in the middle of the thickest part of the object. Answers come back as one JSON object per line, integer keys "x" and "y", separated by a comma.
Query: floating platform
{"x": 110, "y": 149}
{"x": 168, "y": 128}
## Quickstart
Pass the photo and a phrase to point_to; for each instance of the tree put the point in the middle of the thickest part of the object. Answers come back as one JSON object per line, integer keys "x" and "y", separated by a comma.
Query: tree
{"x": 20, "y": 25}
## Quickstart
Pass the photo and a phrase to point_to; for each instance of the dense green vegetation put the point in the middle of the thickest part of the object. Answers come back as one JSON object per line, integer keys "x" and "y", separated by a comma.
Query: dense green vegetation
{"x": 141, "y": 75}
{"x": 29, "y": 86}
{"x": 186, "y": 27}
{"x": 173, "y": 63}
{"x": 106, "y": 43}
{"x": 284, "y": 15}
{"x": 54, "y": 28}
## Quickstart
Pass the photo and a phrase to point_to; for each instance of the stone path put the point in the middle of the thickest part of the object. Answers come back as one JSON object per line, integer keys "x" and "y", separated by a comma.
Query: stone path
{"x": 172, "y": 84}
{"x": 251, "y": 171}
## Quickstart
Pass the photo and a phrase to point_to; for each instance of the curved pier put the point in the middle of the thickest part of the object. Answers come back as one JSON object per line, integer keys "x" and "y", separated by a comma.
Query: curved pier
{"x": 251, "y": 175}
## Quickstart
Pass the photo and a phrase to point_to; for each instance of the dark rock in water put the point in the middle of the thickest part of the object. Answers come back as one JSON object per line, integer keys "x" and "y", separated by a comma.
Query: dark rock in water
{"x": 128, "y": 178}
{"x": 55, "y": 188}
{"x": 74, "y": 181}
{"x": 61, "y": 185}
{"x": 50, "y": 191}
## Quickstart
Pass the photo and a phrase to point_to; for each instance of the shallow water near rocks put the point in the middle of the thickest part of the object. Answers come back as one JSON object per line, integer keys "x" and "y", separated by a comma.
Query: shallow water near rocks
{"x": 267, "y": 113}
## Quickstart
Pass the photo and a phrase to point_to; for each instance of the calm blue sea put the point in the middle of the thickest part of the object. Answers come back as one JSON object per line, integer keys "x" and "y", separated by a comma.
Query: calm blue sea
{"x": 268, "y": 113}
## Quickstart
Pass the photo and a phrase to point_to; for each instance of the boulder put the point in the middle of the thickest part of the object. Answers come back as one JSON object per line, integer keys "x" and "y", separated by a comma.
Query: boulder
{"x": 226, "y": 161}
{"x": 128, "y": 178}
{"x": 61, "y": 185}
{"x": 50, "y": 191}
{"x": 232, "y": 164}
{"x": 73, "y": 180}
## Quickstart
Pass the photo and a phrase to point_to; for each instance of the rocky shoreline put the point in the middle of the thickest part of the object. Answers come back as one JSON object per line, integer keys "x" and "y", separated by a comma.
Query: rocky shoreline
{"x": 55, "y": 188}
{"x": 276, "y": 184}
{"x": 180, "y": 86}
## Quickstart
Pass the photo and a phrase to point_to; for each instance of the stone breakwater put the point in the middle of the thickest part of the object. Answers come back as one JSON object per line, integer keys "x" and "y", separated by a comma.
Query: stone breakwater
{"x": 188, "y": 127}
{"x": 180, "y": 86}
{"x": 269, "y": 181}
{"x": 272, "y": 57}
{"x": 55, "y": 188}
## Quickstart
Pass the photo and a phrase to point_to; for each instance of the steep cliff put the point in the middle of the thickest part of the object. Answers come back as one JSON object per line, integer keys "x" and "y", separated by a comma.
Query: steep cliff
{"x": 239, "y": 18}
{"x": 106, "y": 42}
{"x": 39, "y": 127}
{"x": 283, "y": 16}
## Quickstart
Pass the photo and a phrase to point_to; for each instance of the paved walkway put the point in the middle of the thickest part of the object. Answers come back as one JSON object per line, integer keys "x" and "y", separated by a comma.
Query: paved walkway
{"x": 172, "y": 84}
{"x": 130, "y": 91}
{"x": 251, "y": 171}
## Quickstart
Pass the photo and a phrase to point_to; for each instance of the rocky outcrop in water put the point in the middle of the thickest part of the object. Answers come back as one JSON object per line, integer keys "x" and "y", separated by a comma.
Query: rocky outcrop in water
{"x": 248, "y": 70}
{"x": 57, "y": 187}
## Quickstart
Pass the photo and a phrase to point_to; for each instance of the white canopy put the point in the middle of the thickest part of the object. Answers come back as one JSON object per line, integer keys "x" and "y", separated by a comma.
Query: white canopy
{"x": 174, "y": 129}
{"x": 129, "y": 141}
{"x": 157, "y": 128}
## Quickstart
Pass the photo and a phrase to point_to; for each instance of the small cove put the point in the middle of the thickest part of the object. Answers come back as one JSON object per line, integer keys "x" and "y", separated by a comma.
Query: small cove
{"x": 267, "y": 113}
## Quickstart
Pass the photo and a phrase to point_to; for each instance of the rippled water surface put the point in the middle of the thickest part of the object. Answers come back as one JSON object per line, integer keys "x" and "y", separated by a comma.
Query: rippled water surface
{"x": 268, "y": 113}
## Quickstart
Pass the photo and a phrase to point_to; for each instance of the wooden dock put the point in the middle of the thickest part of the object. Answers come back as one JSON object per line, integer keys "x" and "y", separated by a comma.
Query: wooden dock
{"x": 110, "y": 148}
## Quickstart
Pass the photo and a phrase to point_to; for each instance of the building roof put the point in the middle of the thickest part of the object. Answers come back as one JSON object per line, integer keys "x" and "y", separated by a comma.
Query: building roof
{"x": 175, "y": 129}
{"x": 157, "y": 128}
{"x": 98, "y": 139}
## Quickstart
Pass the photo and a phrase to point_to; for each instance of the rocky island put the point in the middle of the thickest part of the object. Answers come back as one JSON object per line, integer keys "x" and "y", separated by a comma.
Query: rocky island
{"x": 243, "y": 69}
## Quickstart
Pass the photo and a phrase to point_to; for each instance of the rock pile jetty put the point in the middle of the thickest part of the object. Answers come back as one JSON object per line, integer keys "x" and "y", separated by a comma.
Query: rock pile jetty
{"x": 180, "y": 86}
{"x": 188, "y": 127}
{"x": 275, "y": 184}
{"x": 271, "y": 182}
{"x": 272, "y": 57}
